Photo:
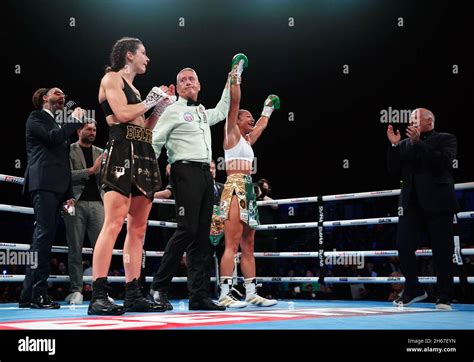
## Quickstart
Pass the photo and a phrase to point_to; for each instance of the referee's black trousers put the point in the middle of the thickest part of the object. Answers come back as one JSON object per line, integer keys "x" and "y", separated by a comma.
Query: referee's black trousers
{"x": 192, "y": 185}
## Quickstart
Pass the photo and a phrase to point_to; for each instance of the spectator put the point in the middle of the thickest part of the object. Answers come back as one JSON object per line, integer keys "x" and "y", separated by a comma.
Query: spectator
{"x": 85, "y": 159}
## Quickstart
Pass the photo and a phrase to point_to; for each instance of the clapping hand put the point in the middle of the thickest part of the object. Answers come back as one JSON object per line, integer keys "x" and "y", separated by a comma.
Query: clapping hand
{"x": 393, "y": 136}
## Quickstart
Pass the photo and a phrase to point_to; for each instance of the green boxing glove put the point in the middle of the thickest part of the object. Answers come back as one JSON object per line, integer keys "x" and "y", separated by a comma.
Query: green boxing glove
{"x": 239, "y": 62}
{"x": 271, "y": 103}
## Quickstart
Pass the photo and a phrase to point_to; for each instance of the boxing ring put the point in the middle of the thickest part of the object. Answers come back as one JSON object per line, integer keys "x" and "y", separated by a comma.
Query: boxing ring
{"x": 287, "y": 314}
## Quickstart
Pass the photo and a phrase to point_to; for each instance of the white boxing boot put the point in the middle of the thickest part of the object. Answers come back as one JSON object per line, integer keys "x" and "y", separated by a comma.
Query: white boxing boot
{"x": 226, "y": 298}
{"x": 251, "y": 294}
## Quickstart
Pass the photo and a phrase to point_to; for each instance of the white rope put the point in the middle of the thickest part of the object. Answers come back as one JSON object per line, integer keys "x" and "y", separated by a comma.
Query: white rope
{"x": 362, "y": 195}
{"x": 164, "y": 201}
{"x": 354, "y": 280}
{"x": 30, "y": 211}
{"x": 372, "y": 194}
{"x": 359, "y": 195}
{"x": 282, "y": 254}
{"x": 307, "y": 225}
{"x": 464, "y": 186}
{"x": 386, "y": 253}
{"x": 64, "y": 249}
{"x": 299, "y": 200}
{"x": 286, "y": 254}
{"x": 17, "y": 209}
{"x": 363, "y": 253}
{"x": 259, "y": 203}
{"x": 165, "y": 224}
{"x": 466, "y": 215}
{"x": 301, "y": 225}
{"x": 329, "y": 280}
{"x": 11, "y": 179}
{"x": 85, "y": 279}
{"x": 354, "y": 222}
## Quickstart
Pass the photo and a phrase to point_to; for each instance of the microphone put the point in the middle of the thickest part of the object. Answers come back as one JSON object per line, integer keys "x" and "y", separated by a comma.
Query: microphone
{"x": 69, "y": 108}
{"x": 71, "y": 105}
{"x": 64, "y": 115}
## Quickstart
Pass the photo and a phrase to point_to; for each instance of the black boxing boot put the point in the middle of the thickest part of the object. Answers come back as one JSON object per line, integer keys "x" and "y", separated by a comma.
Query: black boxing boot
{"x": 160, "y": 297}
{"x": 136, "y": 302}
{"x": 100, "y": 303}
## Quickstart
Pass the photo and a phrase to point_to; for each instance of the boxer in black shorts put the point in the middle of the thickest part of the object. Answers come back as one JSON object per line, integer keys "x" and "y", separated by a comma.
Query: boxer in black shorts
{"x": 129, "y": 174}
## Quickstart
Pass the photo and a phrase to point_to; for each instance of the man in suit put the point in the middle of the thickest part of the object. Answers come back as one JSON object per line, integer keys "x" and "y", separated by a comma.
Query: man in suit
{"x": 89, "y": 214}
{"x": 48, "y": 180}
{"x": 427, "y": 202}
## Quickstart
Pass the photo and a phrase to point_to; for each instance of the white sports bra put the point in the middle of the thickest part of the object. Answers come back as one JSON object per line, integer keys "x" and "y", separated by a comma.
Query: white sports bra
{"x": 241, "y": 151}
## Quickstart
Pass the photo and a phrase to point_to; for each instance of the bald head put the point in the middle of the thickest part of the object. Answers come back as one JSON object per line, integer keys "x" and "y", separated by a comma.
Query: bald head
{"x": 423, "y": 119}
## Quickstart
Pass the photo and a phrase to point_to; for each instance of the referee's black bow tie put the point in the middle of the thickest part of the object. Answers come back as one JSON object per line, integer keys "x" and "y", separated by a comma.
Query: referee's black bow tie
{"x": 193, "y": 103}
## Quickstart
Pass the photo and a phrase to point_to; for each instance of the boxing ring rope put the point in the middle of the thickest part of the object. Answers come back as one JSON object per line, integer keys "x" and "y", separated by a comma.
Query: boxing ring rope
{"x": 329, "y": 280}
{"x": 286, "y": 254}
{"x": 302, "y": 225}
{"x": 64, "y": 249}
{"x": 321, "y": 224}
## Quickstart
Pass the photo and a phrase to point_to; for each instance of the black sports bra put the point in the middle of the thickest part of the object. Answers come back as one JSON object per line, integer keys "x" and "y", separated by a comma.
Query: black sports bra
{"x": 132, "y": 98}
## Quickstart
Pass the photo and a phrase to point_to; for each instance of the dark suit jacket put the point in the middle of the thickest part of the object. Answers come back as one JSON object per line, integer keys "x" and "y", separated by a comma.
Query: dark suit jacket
{"x": 47, "y": 149}
{"x": 426, "y": 167}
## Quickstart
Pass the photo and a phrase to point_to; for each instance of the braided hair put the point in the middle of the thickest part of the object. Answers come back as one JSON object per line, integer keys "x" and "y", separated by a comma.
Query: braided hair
{"x": 119, "y": 52}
